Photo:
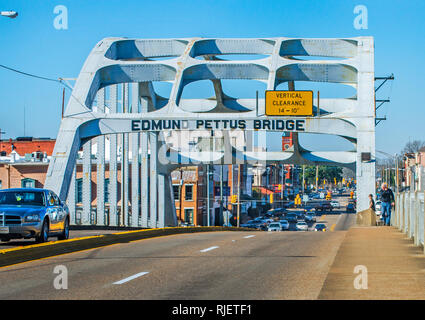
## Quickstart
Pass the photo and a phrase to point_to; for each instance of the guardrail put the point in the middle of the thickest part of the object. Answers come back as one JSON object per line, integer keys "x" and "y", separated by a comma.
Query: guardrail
{"x": 409, "y": 215}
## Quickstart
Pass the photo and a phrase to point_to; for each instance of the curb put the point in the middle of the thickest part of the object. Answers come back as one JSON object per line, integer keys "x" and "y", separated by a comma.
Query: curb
{"x": 13, "y": 256}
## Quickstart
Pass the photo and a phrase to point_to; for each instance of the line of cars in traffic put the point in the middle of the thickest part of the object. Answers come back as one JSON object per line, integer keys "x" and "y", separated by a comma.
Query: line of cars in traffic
{"x": 280, "y": 220}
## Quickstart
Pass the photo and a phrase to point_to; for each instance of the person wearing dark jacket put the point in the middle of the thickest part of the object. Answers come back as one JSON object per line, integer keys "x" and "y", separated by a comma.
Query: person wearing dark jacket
{"x": 387, "y": 200}
{"x": 371, "y": 202}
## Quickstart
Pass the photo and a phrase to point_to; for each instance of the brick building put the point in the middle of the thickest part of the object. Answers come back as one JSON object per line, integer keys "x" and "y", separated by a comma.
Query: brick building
{"x": 189, "y": 190}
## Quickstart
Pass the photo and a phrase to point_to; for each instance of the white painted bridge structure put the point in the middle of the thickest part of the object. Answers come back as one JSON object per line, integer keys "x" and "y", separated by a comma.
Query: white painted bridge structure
{"x": 114, "y": 104}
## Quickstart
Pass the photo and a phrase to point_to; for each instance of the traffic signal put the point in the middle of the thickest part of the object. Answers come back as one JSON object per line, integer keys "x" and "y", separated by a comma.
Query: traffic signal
{"x": 271, "y": 198}
{"x": 279, "y": 187}
{"x": 234, "y": 198}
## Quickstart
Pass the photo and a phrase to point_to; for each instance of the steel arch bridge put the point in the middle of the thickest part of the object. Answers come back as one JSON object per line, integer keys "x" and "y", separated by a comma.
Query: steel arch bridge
{"x": 114, "y": 106}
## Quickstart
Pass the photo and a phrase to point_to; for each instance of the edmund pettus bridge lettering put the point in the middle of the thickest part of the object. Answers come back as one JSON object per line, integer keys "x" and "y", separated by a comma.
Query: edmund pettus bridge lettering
{"x": 219, "y": 124}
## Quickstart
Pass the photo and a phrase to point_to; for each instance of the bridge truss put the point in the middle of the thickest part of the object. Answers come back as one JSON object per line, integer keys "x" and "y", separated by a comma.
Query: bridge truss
{"x": 114, "y": 106}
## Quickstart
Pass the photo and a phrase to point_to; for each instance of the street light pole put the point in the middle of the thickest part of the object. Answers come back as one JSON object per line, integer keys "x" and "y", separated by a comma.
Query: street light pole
{"x": 396, "y": 172}
{"x": 281, "y": 189}
{"x": 239, "y": 193}
{"x": 9, "y": 14}
{"x": 221, "y": 191}
{"x": 208, "y": 195}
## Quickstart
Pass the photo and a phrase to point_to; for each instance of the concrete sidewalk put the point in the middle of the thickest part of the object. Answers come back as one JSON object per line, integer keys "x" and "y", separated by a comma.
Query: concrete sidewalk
{"x": 395, "y": 267}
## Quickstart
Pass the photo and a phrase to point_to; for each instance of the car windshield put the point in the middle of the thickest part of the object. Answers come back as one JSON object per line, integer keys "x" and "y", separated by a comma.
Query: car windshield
{"x": 22, "y": 198}
{"x": 274, "y": 225}
{"x": 283, "y": 221}
{"x": 320, "y": 226}
{"x": 301, "y": 223}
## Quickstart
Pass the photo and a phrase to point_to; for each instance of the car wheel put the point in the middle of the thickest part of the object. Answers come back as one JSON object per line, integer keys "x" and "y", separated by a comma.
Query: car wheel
{"x": 44, "y": 233}
{"x": 65, "y": 233}
{"x": 5, "y": 239}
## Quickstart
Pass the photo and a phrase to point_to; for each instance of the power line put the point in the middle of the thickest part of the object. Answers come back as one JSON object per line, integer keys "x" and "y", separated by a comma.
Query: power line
{"x": 35, "y": 76}
{"x": 60, "y": 80}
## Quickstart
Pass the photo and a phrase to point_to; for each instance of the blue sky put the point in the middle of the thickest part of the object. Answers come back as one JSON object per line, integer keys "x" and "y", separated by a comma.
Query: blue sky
{"x": 32, "y": 44}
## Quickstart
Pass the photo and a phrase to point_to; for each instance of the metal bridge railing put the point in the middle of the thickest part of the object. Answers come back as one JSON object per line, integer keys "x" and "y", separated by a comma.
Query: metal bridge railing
{"x": 409, "y": 215}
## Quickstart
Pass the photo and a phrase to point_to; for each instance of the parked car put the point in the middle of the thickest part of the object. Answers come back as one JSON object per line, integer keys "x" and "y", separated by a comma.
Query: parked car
{"x": 320, "y": 227}
{"x": 275, "y": 226}
{"x": 276, "y": 212}
{"x": 300, "y": 215}
{"x": 291, "y": 217}
{"x": 268, "y": 220}
{"x": 323, "y": 206}
{"x": 252, "y": 225}
{"x": 310, "y": 218}
{"x": 335, "y": 204}
{"x": 301, "y": 226}
{"x": 290, "y": 204}
{"x": 284, "y": 224}
{"x": 32, "y": 213}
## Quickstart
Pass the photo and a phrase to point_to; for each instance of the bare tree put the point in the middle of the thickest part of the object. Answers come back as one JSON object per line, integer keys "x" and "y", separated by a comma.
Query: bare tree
{"x": 413, "y": 146}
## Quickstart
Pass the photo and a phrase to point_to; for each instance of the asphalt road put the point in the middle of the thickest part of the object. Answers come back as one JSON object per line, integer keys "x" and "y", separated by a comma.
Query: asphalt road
{"x": 213, "y": 265}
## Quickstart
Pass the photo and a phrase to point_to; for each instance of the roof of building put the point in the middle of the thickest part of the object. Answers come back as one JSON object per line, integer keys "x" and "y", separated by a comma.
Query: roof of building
{"x": 28, "y": 145}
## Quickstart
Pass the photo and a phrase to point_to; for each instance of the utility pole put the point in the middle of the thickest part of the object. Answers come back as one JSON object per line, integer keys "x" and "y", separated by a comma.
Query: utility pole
{"x": 208, "y": 195}
{"x": 181, "y": 194}
{"x": 281, "y": 189}
{"x": 239, "y": 193}
{"x": 221, "y": 192}
{"x": 396, "y": 172}
{"x": 63, "y": 101}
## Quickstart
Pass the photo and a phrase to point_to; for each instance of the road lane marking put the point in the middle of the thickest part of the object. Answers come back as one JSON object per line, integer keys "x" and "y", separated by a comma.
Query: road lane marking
{"x": 322, "y": 217}
{"x": 137, "y": 275}
{"x": 209, "y": 249}
{"x": 333, "y": 227}
{"x": 251, "y": 236}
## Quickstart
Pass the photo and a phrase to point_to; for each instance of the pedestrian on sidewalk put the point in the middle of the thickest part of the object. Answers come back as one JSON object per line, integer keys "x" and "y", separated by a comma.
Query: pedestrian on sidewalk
{"x": 387, "y": 200}
{"x": 371, "y": 202}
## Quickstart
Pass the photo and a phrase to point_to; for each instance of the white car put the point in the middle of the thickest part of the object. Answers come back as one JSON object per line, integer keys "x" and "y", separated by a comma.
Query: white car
{"x": 274, "y": 226}
{"x": 284, "y": 224}
{"x": 335, "y": 204}
{"x": 301, "y": 226}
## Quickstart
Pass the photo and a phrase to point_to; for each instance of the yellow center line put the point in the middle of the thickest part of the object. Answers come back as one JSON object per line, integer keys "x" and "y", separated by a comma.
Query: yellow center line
{"x": 49, "y": 243}
{"x": 333, "y": 227}
{"x": 322, "y": 218}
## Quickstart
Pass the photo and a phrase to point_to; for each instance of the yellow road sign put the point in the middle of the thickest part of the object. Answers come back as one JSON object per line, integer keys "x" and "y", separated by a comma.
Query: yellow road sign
{"x": 289, "y": 103}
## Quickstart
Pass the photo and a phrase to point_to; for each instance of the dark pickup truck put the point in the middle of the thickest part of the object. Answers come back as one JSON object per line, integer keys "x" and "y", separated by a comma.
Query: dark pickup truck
{"x": 323, "y": 206}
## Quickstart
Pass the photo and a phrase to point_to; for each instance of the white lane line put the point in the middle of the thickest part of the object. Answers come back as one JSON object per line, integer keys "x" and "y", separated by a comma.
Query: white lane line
{"x": 251, "y": 236}
{"x": 131, "y": 278}
{"x": 209, "y": 249}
